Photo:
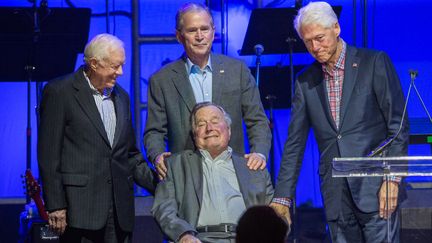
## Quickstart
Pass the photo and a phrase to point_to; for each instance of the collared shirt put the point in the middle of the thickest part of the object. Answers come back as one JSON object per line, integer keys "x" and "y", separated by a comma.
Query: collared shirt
{"x": 334, "y": 83}
{"x": 333, "y": 80}
{"x": 200, "y": 80}
{"x": 222, "y": 200}
{"x": 105, "y": 106}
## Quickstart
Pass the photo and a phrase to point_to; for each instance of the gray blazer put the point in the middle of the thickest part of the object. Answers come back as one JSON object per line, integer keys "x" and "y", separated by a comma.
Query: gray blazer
{"x": 171, "y": 99}
{"x": 80, "y": 170}
{"x": 371, "y": 111}
{"x": 178, "y": 198}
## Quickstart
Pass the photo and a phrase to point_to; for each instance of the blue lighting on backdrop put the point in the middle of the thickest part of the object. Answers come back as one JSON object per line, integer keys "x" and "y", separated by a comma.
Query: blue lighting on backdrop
{"x": 398, "y": 27}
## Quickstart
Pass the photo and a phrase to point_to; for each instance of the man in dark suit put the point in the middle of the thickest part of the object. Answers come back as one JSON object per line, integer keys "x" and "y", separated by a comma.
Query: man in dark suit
{"x": 353, "y": 100}
{"x": 206, "y": 191}
{"x": 201, "y": 76}
{"x": 87, "y": 156}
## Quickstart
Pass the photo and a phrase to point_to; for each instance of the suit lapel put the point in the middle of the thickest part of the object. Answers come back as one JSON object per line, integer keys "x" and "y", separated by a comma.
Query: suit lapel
{"x": 181, "y": 82}
{"x": 244, "y": 179}
{"x": 352, "y": 63}
{"x": 86, "y": 101}
{"x": 322, "y": 93}
{"x": 120, "y": 114}
{"x": 217, "y": 78}
{"x": 197, "y": 173}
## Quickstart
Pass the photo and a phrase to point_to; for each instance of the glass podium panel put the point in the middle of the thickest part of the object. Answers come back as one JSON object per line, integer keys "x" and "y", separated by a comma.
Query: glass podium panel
{"x": 381, "y": 166}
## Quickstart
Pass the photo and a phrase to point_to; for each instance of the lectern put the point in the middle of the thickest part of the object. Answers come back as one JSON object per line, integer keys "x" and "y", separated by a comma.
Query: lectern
{"x": 382, "y": 167}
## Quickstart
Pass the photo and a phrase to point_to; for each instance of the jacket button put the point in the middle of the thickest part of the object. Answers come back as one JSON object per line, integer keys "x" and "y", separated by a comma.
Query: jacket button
{"x": 109, "y": 181}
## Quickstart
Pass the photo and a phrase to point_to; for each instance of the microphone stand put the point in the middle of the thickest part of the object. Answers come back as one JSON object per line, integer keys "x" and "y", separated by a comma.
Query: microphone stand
{"x": 381, "y": 148}
{"x": 30, "y": 68}
{"x": 378, "y": 150}
{"x": 258, "y": 65}
{"x": 413, "y": 75}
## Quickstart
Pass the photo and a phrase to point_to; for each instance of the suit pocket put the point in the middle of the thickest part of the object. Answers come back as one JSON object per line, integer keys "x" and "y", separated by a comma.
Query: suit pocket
{"x": 75, "y": 179}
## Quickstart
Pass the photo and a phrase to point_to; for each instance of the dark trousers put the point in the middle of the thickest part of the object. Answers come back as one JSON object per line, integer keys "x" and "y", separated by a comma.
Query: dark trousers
{"x": 354, "y": 225}
{"x": 111, "y": 233}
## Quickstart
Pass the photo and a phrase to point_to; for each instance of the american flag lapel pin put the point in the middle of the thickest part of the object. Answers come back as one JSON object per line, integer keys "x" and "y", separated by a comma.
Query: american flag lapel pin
{"x": 355, "y": 65}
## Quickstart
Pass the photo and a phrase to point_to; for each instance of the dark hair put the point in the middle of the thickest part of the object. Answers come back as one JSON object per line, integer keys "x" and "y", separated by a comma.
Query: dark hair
{"x": 261, "y": 224}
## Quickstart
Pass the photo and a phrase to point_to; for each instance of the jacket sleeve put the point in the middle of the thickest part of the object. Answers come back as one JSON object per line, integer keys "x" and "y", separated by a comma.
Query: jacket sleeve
{"x": 155, "y": 133}
{"x": 256, "y": 121}
{"x": 165, "y": 209}
{"x": 391, "y": 99}
{"x": 143, "y": 175}
{"x": 294, "y": 147}
{"x": 269, "y": 187}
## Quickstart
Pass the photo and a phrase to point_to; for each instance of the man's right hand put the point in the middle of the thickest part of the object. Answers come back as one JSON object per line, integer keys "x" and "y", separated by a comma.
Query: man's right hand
{"x": 188, "y": 238}
{"x": 160, "y": 165}
{"x": 282, "y": 211}
{"x": 57, "y": 221}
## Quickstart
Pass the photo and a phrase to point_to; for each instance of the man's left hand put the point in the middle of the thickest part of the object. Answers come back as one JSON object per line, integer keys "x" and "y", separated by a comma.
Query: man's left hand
{"x": 255, "y": 161}
{"x": 392, "y": 198}
{"x": 57, "y": 221}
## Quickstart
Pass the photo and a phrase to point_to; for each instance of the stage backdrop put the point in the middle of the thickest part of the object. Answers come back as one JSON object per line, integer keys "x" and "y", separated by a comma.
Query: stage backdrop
{"x": 398, "y": 27}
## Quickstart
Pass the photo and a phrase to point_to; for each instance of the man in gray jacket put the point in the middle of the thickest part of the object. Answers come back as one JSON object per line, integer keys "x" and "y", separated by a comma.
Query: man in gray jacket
{"x": 206, "y": 191}
{"x": 198, "y": 76}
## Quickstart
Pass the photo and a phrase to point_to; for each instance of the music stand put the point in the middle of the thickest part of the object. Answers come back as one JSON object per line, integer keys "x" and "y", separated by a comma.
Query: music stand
{"x": 275, "y": 82}
{"x": 39, "y": 44}
{"x": 382, "y": 167}
{"x": 273, "y": 28}
{"x": 63, "y": 33}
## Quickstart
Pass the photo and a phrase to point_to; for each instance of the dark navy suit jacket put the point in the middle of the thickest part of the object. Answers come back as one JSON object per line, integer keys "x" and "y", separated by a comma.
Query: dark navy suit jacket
{"x": 371, "y": 111}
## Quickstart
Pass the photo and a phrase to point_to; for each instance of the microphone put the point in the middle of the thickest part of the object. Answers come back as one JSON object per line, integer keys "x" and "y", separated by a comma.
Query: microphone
{"x": 383, "y": 145}
{"x": 259, "y": 49}
{"x": 413, "y": 73}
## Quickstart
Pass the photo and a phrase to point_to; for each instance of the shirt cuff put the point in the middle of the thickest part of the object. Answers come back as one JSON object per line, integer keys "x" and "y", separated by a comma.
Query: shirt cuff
{"x": 396, "y": 179}
{"x": 189, "y": 232}
{"x": 283, "y": 200}
{"x": 262, "y": 156}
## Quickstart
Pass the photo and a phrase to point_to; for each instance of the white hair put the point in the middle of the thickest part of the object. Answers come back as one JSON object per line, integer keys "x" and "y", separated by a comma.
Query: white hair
{"x": 101, "y": 46}
{"x": 201, "y": 105}
{"x": 315, "y": 13}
